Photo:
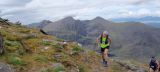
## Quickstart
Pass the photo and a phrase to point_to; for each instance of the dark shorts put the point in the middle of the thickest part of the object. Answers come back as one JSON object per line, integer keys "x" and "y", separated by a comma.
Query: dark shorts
{"x": 154, "y": 68}
{"x": 103, "y": 49}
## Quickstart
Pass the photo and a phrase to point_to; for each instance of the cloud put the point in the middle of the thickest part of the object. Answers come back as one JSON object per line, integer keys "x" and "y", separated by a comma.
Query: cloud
{"x": 140, "y": 2}
{"x": 28, "y": 11}
{"x": 12, "y": 3}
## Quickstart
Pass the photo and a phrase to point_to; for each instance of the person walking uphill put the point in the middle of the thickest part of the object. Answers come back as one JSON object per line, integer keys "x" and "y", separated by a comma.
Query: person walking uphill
{"x": 153, "y": 65}
{"x": 104, "y": 40}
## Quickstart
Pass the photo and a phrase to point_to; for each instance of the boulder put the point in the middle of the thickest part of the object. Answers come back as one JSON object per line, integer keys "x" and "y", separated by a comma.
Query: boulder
{"x": 5, "y": 68}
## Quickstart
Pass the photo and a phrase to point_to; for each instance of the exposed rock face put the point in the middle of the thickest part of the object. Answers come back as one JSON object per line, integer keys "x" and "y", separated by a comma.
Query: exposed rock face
{"x": 5, "y": 68}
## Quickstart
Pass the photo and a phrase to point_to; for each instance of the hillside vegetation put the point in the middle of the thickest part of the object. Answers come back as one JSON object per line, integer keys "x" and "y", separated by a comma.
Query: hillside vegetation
{"x": 29, "y": 50}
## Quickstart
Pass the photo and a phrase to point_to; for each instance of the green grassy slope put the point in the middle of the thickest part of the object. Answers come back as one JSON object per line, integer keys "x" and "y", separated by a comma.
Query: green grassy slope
{"x": 28, "y": 50}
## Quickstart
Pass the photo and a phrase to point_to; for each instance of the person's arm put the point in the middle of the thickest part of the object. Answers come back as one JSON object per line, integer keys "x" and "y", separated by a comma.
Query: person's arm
{"x": 98, "y": 39}
{"x": 97, "y": 42}
{"x": 110, "y": 40}
{"x": 158, "y": 64}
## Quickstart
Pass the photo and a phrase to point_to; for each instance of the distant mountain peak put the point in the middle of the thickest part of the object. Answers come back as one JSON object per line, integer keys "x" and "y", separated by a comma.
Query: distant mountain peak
{"x": 100, "y": 19}
{"x": 69, "y": 18}
{"x": 46, "y": 21}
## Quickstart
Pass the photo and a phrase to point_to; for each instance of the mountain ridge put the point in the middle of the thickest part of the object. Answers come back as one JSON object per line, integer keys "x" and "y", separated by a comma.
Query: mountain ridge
{"x": 149, "y": 20}
{"x": 135, "y": 36}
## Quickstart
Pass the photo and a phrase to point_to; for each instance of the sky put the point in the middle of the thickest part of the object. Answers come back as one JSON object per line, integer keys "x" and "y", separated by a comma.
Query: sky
{"x": 30, "y": 11}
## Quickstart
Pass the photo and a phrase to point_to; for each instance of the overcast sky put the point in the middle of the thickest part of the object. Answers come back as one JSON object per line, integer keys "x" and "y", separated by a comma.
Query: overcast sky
{"x": 29, "y": 11}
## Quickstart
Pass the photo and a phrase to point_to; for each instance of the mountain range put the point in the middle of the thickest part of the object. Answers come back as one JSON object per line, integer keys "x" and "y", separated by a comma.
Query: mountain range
{"x": 130, "y": 39}
{"x": 149, "y": 20}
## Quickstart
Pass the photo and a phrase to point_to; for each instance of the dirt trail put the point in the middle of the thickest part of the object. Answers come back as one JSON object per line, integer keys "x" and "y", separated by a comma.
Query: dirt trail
{"x": 107, "y": 69}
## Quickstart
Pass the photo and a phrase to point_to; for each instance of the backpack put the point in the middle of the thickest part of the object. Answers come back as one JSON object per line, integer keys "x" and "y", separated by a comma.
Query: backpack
{"x": 153, "y": 63}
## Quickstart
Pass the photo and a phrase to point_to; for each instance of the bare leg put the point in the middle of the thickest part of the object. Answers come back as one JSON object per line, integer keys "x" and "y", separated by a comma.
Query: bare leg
{"x": 103, "y": 56}
{"x": 106, "y": 54}
{"x": 151, "y": 70}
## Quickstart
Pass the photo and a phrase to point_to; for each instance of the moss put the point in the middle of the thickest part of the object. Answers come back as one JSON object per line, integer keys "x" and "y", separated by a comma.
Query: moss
{"x": 10, "y": 35}
{"x": 3, "y": 32}
{"x": 56, "y": 69}
{"x": 59, "y": 69}
{"x": 46, "y": 43}
{"x": 15, "y": 60}
{"x": 77, "y": 49}
{"x": 29, "y": 36}
{"x": 57, "y": 47}
{"x": 33, "y": 44}
{"x": 13, "y": 37}
{"x": 83, "y": 68}
{"x": 40, "y": 58}
{"x": 93, "y": 53}
{"x": 23, "y": 30}
{"x": 46, "y": 70}
{"x": 48, "y": 53}
{"x": 13, "y": 46}
{"x": 61, "y": 57}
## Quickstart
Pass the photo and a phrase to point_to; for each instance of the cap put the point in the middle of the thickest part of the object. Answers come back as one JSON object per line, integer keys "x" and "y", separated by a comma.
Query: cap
{"x": 106, "y": 32}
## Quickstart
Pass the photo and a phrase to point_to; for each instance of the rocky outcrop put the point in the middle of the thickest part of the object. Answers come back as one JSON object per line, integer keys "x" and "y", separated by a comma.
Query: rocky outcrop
{"x": 5, "y": 68}
{"x": 4, "y": 21}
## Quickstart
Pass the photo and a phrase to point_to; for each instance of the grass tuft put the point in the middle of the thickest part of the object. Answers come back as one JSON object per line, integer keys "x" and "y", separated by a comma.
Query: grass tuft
{"x": 41, "y": 58}
{"x": 15, "y": 60}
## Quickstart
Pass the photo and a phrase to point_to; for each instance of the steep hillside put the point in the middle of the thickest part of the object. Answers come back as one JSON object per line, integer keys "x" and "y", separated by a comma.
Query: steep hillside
{"x": 130, "y": 39}
{"x": 29, "y": 50}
